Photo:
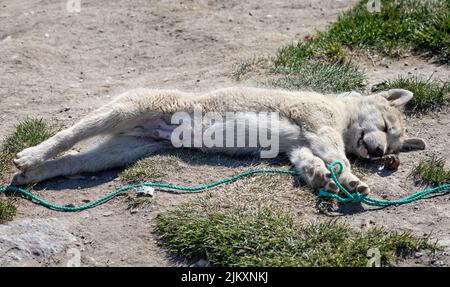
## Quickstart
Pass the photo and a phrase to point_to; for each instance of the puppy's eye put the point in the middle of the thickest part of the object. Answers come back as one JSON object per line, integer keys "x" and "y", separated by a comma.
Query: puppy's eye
{"x": 386, "y": 127}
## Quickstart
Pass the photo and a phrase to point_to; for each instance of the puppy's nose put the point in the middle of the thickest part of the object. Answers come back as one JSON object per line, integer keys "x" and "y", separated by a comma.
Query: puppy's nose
{"x": 378, "y": 152}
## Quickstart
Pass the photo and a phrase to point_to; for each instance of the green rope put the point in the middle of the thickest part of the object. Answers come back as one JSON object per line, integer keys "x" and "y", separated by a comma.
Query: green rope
{"x": 350, "y": 197}
{"x": 358, "y": 197}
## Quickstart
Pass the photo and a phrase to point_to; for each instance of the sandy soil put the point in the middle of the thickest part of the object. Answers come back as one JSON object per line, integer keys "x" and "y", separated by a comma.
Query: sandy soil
{"x": 60, "y": 65}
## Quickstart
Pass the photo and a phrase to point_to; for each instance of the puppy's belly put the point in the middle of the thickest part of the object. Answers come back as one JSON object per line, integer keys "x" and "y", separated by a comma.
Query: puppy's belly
{"x": 242, "y": 133}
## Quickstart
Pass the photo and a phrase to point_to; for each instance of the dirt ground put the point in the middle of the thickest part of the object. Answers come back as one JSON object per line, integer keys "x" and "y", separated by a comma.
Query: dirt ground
{"x": 60, "y": 65}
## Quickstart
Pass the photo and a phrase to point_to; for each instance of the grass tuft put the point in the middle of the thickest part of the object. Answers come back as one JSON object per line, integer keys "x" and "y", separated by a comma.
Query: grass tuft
{"x": 432, "y": 171}
{"x": 427, "y": 94}
{"x": 254, "y": 235}
{"x": 150, "y": 169}
{"x": 7, "y": 210}
{"x": 28, "y": 133}
{"x": 251, "y": 65}
{"x": 322, "y": 77}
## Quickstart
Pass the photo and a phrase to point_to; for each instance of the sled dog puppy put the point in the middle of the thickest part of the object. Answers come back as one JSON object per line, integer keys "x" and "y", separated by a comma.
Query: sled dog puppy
{"x": 313, "y": 130}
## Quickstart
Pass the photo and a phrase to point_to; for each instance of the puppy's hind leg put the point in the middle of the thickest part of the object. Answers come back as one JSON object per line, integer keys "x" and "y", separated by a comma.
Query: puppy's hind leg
{"x": 128, "y": 110}
{"x": 97, "y": 122}
{"x": 114, "y": 152}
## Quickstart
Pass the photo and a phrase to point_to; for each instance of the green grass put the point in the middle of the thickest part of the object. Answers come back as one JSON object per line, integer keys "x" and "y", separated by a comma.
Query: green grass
{"x": 432, "y": 171}
{"x": 427, "y": 94}
{"x": 28, "y": 133}
{"x": 402, "y": 25}
{"x": 251, "y": 234}
{"x": 323, "y": 62}
{"x": 141, "y": 171}
{"x": 150, "y": 169}
{"x": 322, "y": 77}
{"x": 7, "y": 210}
{"x": 248, "y": 66}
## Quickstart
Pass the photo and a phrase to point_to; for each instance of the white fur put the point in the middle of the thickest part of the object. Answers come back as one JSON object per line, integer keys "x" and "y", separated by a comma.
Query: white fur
{"x": 315, "y": 130}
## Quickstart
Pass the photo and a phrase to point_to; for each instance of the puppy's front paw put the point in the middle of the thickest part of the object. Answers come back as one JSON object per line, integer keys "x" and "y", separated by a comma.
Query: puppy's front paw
{"x": 363, "y": 188}
{"x": 319, "y": 177}
{"x": 20, "y": 178}
{"x": 316, "y": 177}
{"x": 28, "y": 158}
{"x": 27, "y": 177}
{"x": 353, "y": 184}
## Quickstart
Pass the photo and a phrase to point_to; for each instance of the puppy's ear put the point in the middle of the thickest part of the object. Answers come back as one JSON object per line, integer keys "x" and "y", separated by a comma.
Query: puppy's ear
{"x": 398, "y": 97}
{"x": 413, "y": 144}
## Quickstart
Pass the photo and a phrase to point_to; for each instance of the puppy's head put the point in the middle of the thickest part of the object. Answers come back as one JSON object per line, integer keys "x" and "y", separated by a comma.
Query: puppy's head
{"x": 377, "y": 127}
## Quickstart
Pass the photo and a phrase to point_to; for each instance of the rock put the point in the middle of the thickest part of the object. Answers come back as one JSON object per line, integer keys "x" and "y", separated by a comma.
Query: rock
{"x": 445, "y": 243}
{"x": 6, "y": 39}
{"x": 418, "y": 254}
{"x": 108, "y": 213}
{"x": 30, "y": 239}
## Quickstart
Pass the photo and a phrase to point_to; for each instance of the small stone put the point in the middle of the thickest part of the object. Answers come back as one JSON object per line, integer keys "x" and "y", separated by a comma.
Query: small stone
{"x": 108, "y": 213}
{"x": 418, "y": 254}
{"x": 6, "y": 39}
